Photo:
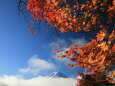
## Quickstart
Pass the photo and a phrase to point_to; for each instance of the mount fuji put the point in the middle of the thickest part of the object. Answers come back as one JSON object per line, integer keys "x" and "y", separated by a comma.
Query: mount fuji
{"x": 58, "y": 75}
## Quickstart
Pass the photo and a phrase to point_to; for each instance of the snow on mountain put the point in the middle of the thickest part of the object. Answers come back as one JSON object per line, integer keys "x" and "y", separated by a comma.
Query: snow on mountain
{"x": 58, "y": 75}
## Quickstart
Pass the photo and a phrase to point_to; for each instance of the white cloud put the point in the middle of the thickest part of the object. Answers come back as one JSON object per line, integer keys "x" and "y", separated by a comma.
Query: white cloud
{"x": 37, "y": 81}
{"x": 36, "y": 65}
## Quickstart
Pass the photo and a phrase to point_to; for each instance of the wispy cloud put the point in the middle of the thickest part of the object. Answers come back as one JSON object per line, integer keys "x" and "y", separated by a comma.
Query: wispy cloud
{"x": 36, "y": 65}
{"x": 66, "y": 43}
{"x": 56, "y": 44}
{"x": 79, "y": 41}
{"x": 65, "y": 46}
{"x": 37, "y": 81}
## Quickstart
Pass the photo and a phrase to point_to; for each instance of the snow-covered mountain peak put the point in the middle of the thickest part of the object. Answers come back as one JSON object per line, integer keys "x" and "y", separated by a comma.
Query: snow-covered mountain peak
{"x": 58, "y": 75}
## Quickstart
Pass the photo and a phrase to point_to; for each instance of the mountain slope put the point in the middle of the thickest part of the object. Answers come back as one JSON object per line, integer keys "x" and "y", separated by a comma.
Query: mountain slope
{"x": 57, "y": 75}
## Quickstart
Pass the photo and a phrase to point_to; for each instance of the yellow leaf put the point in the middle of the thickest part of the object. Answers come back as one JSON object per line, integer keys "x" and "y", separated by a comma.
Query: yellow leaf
{"x": 101, "y": 44}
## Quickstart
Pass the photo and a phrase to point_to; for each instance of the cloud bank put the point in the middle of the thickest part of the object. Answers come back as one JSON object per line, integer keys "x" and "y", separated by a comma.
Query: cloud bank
{"x": 37, "y": 81}
{"x": 36, "y": 65}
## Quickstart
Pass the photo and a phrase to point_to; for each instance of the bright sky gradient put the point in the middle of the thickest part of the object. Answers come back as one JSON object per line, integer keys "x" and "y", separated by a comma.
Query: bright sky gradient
{"x": 27, "y": 55}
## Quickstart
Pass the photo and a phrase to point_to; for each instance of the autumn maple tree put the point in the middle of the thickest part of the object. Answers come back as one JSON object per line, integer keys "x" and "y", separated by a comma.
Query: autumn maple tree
{"x": 82, "y": 16}
{"x": 93, "y": 80}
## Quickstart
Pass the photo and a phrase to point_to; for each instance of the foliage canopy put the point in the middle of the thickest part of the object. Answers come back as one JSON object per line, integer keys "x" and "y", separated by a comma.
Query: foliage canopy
{"x": 82, "y": 16}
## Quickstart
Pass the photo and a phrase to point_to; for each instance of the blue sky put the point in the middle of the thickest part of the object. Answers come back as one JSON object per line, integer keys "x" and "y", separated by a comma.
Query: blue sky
{"x": 25, "y": 57}
{"x": 18, "y": 47}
